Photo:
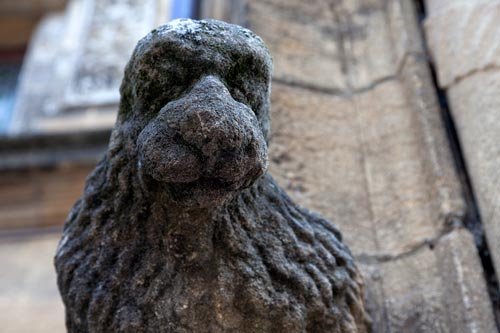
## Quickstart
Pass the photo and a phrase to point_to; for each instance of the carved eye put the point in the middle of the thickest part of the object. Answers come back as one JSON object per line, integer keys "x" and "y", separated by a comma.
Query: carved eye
{"x": 239, "y": 95}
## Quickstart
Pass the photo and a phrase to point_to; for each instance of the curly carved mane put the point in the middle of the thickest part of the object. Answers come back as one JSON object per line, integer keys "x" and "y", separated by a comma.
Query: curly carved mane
{"x": 268, "y": 254}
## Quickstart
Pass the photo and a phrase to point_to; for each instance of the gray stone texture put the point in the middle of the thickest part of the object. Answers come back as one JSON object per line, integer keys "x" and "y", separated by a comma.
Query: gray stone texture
{"x": 180, "y": 228}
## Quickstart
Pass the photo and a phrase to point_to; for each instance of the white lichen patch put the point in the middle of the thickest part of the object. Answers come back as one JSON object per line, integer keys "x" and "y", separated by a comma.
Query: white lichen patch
{"x": 183, "y": 26}
{"x": 198, "y": 29}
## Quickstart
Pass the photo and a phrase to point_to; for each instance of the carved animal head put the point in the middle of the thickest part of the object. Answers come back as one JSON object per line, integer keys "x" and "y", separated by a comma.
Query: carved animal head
{"x": 197, "y": 93}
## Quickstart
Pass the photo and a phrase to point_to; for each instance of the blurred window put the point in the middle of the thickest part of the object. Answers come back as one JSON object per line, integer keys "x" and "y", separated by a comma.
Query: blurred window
{"x": 10, "y": 66}
{"x": 183, "y": 8}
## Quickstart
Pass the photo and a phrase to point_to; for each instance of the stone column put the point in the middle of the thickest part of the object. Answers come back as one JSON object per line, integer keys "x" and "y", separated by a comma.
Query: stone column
{"x": 464, "y": 41}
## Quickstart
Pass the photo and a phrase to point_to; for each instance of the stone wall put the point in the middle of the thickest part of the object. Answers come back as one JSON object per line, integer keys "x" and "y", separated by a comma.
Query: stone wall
{"x": 353, "y": 96}
{"x": 463, "y": 38}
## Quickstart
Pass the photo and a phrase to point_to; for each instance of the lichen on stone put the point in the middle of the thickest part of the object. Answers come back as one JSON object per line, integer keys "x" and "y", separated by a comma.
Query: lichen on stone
{"x": 180, "y": 228}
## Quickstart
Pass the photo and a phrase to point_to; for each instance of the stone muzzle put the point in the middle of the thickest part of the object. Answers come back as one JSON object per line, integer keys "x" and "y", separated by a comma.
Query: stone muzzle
{"x": 204, "y": 136}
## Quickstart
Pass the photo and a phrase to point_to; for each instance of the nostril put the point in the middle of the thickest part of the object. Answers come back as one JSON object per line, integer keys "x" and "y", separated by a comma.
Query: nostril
{"x": 250, "y": 151}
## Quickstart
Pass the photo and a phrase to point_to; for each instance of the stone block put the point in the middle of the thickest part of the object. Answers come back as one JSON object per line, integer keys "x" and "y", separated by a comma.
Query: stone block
{"x": 370, "y": 148}
{"x": 463, "y": 38}
{"x": 464, "y": 41}
{"x": 339, "y": 46}
{"x": 475, "y": 102}
{"x": 436, "y": 288}
{"x": 322, "y": 130}
{"x": 304, "y": 45}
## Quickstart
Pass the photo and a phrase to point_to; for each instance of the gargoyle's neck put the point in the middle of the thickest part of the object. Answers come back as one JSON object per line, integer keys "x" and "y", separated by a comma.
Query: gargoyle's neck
{"x": 189, "y": 234}
{"x": 175, "y": 215}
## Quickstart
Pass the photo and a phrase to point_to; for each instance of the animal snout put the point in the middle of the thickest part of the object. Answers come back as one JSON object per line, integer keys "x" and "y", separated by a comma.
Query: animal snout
{"x": 204, "y": 135}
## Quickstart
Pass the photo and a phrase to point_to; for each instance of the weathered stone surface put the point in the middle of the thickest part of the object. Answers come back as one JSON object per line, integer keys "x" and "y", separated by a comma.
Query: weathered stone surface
{"x": 464, "y": 41}
{"x": 371, "y": 162}
{"x": 463, "y": 284}
{"x": 463, "y": 37}
{"x": 330, "y": 181}
{"x": 380, "y": 188}
{"x": 441, "y": 177}
{"x": 336, "y": 45}
{"x": 437, "y": 288}
{"x": 178, "y": 229}
{"x": 29, "y": 301}
{"x": 303, "y": 51}
{"x": 380, "y": 168}
{"x": 475, "y": 102}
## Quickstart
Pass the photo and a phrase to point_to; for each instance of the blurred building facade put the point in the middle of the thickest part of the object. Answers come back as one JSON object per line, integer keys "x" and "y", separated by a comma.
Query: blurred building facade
{"x": 60, "y": 97}
{"x": 358, "y": 134}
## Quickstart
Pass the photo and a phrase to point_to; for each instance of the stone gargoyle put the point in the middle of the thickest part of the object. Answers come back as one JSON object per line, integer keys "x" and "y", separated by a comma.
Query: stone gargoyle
{"x": 180, "y": 228}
